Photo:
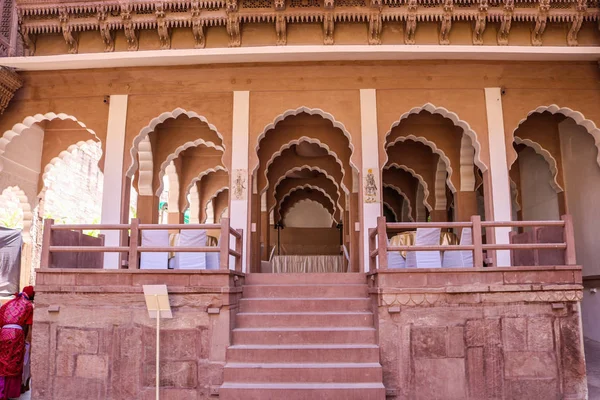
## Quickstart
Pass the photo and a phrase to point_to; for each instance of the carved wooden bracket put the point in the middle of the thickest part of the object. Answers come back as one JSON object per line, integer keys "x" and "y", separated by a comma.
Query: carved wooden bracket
{"x": 281, "y": 30}
{"x": 411, "y": 22}
{"x": 375, "y": 27}
{"x": 233, "y": 29}
{"x": 576, "y": 23}
{"x": 480, "y": 22}
{"x": 328, "y": 27}
{"x": 67, "y": 31}
{"x": 540, "y": 23}
{"x": 505, "y": 22}
{"x": 164, "y": 35}
{"x": 10, "y": 82}
{"x": 128, "y": 27}
{"x": 105, "y": 32}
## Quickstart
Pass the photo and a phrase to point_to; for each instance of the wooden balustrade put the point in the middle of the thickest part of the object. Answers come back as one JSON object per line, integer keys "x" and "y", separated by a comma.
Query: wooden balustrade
{"x": 379, "y": 248}
{"x": 135, "y": 248}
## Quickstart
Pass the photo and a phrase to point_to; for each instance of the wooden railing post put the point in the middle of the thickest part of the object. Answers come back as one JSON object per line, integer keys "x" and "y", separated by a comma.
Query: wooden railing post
{"x": 477, "y": 241}
{"x": 224, "y": 244}
{"x": 239, "y": 249}
{"x": 372, "y": 246}
{"x": 569, "y": 238}
{"x": 382, "y": 242}
{"x": 134, "y": 241}
{"x": 46, "y": 243}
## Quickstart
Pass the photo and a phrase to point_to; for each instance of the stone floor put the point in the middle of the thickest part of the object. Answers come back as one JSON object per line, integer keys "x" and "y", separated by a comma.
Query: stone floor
{"x": 592, "y": 358}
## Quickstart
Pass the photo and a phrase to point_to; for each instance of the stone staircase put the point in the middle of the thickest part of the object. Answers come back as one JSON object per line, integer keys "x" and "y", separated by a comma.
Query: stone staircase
{"x": 304, "y": 336}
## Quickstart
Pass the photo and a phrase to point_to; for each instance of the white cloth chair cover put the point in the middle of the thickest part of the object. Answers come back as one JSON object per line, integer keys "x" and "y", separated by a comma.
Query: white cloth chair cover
{"x": 425, "y": 259}
{"x": 460, "y": 258}
{"x": 395, "y": 259}
{"x": 191, "y": 238}
{"x": 158, "y": 238}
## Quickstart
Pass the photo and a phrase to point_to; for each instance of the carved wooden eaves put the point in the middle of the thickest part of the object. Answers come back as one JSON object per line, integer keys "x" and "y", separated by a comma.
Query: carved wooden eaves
{"x": 41, "y": 17}
{"x": 10, "y": 82}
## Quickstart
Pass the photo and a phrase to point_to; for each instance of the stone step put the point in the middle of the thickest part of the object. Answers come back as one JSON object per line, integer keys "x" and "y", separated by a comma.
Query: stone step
{"x": 293, "y": 373}
{"x": 321, "y": 304}
{"x": 304, "y": 319}
{"x": 305, "y": 335}
{"x": 302, "y": 391}
{"x": 280, "y": 279}
{"x": 323, "y": 353}
{"x": 305, "y": 290}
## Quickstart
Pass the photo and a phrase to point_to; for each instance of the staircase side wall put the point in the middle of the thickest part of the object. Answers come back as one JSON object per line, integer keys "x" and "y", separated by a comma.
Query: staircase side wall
{"x": 492, "y": 334}
{"x": 101, "y": 344}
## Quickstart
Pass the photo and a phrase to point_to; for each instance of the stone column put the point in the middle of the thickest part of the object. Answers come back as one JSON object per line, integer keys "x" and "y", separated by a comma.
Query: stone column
{"x": 371, "y": 174}
{"x": 240, "y": 189}
{"x": 112, "y": 195}
{"x": 500, "y": 184}
{"x": 465, "y": 205}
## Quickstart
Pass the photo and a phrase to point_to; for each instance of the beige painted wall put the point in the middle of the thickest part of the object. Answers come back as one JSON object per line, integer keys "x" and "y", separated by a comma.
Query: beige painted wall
{"x": 539, "y": 201}
{"x": 308, "y": 214}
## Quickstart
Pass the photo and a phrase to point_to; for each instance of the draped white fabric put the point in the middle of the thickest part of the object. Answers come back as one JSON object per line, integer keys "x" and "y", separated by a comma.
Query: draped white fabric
{"x": 303, "y": 264}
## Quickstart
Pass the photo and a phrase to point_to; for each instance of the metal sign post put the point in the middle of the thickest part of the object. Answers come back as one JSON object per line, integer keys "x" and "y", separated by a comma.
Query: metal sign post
{"x": 157, "y": 302}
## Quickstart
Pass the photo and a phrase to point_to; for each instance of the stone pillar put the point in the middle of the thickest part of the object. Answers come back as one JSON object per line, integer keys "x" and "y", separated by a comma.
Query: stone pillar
{"x": 500, "y": 184}
{"x": 371, "y": 174}
{"x": 112, "y": 195}
{"x": 147, "y": 209}
{"x": 240, "y": 189}
{"x": 465, "y": 205}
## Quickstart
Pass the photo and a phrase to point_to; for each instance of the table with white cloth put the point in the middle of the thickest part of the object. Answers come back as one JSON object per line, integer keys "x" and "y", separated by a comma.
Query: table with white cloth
{"x": 408, "y": 239}
{"x": 307, "y": 263}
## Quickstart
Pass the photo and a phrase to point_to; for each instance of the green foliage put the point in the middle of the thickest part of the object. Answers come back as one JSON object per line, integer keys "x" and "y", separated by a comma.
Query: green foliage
{"x": 11, "y": 218}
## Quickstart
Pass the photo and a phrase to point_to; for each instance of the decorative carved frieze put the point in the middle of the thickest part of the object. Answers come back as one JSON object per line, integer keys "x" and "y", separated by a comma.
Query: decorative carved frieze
{"x": 39, "y": 17}
{"x": 10, "y": 82}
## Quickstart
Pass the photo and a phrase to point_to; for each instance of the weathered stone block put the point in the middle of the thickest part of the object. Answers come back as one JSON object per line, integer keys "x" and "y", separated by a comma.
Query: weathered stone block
{"x": 475, "y": 373}
{"x": 482, "y": 331}
{"x": 78, "y": 388}
{"x": 539, "y": 364}
{"x": 170, "y": 394}
{"x": 573, "y": 363}
{"x": 176, "y": 345}
{"x": 177, "y": 374}
{"x": 429, "y": 342}
{"x": 532, "y": 389}
{"x": 540, "y": 335}
{"x": 92, "y": 366}
{"x": 514, "y": 334}
{"x": 440, "y": 379}
{"x": 456, "y": 341}
{"x": 72, "y": 341}
{"x": 126, "y": 362}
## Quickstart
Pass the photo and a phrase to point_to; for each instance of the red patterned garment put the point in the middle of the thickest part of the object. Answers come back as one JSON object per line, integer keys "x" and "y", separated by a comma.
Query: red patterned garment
{"x": 18, "y": 311}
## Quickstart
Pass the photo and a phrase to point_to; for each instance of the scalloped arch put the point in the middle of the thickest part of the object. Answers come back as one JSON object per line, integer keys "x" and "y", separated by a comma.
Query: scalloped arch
{"x": 405, "y": 197}
{"x": 551, "y": 161}
{"x": 392, "y": 211}
{"x": 298, "y": 203}
{"x": 576, "y": 116}
{"x": 29, "y": 121}
{"x": 441, "y": 202}
{"x": 178, "y": 151}
{"x": 173, "y": 199}
{"x": 302, "y": 187}
{"x": 296, "y": 142}
{"x": 418, "y": 177}
{"x": 194, "y": 202}
{"x": 214, "y": 195}
{"x": 203, "y": 173}
{"x": 302, "y": 168}
{"x": 25, "y": 206}
{"x": 434, "y": 148}
{"x": 310, "y": 111}
{"x": 432, "y": 109}
{"x": 65, "y": 154}
{"x": 287, "y": 211}
{"x": 146, "y": 167}
{"x": 467, "y": 163}
{"x": 145, "y": 131}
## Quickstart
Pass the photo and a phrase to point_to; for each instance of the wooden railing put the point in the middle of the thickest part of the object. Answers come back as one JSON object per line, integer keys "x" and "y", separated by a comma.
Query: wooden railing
{"x": 379, "y": 248}
{"x": 135, "y": 248}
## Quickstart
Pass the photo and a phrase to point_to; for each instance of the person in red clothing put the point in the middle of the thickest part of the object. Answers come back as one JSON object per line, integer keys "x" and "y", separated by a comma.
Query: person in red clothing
{"x": 16, "y": 318}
